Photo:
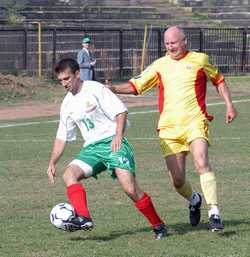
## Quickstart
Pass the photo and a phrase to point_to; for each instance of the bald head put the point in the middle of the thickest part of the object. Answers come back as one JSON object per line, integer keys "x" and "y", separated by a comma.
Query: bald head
{"x": 175, "y": 42}
{"x": 174, "y": 32}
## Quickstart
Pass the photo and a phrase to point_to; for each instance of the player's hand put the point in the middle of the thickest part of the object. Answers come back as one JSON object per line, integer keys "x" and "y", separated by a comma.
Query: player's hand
{"x": 93, "y": 63}
{"x": 51, "y": 173}
{"x": 230, "y": 114}
{"x": 108, "y": 84}
{"x": 116, "y": 143}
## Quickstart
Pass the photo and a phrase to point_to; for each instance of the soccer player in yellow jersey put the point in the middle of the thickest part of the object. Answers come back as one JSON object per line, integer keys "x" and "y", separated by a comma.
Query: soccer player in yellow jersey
{"x": 181, "y": 78}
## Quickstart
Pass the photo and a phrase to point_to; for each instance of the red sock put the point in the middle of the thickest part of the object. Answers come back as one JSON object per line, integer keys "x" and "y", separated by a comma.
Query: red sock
{"x": 146, "y": 207}
{"x": 77, "y": 197}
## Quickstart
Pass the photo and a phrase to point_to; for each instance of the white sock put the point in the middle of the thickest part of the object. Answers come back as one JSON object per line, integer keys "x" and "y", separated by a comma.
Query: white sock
{"x": 194, "y": 198}
{"x": 214, "y": 210}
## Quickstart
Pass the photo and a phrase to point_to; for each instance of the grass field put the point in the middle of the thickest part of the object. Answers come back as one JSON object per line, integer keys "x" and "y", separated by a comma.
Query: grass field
{"x": 27, "y": 197}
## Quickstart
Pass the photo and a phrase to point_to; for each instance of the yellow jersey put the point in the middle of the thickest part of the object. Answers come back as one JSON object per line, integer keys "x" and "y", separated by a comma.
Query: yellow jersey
{"x": 182, "y": 87}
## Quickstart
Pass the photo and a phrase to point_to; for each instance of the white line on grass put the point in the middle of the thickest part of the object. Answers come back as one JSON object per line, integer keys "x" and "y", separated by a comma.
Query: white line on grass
{"x": 156, "y": 138}
{"x": 17, "y": 124}
{"x": 130, "y": 138}
{"x": 24, "y": 140}
{"x": 209, "y": 104}
{"x": 9, "y": 125}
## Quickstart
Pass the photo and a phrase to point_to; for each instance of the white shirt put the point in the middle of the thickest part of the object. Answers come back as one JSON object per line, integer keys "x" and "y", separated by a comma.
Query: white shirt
{"x": 93, "y": 110}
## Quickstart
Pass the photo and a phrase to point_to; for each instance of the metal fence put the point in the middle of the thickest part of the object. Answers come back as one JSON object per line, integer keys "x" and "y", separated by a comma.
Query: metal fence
{"x": 118, "y": 52}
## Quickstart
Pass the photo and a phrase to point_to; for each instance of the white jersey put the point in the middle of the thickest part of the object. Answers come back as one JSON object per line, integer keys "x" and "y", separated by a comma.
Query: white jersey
{"x": 93, "y": 110}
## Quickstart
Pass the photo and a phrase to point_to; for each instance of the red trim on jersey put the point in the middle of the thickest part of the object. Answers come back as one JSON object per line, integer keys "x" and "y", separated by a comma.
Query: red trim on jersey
{"x": 161, "y": 93}
{"x": 217, "y": 81}
{"x": 134, "y": 89}
{"x": 200, "y": 87}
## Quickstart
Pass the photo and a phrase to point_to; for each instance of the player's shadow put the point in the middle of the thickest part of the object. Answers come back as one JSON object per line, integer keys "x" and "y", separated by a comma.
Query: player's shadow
{"x": 184, "y": 228}
{"x": 111, "y": 236}
{"x": 235, "y": 223}
{"x": 173, "y": 229}
{"x": 179, "y": 228}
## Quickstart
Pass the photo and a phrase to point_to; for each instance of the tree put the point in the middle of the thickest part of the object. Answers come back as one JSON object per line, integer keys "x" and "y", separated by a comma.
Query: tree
{"x": 13, "y": 9}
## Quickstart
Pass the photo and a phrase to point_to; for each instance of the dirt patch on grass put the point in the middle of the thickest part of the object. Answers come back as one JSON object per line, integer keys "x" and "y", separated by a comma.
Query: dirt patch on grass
{"x": 18, "y": 87}
{"x": 25, "y": 89}
{"x": 32, "y": 109}
{"x": 28, "y": 110}
{"x": 23, "y": 97}
{"x": 18, "y": 94}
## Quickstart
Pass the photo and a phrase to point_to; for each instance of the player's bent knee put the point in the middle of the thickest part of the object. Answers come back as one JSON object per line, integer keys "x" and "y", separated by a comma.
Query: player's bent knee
{"x": 201, "y": 165}
{"x": 131, "y": 192}
{"x": 75, "y": 171}
{"x": 84, "y": 170}
{"x": 69, "y": 176}
{"x": 179, "y": 182}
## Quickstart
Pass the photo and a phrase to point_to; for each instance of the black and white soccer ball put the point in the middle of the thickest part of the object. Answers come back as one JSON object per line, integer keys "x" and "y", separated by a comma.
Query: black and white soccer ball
{"x": 61, "y": 214}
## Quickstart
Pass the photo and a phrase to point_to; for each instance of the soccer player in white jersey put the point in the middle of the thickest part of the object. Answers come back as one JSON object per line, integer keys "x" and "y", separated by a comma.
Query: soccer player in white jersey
{"x": 101, "y": 118}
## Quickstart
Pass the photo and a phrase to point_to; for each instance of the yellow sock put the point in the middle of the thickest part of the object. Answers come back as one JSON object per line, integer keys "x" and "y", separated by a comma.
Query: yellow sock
{"x": 185, "y": 190}
{"x": 208, "y": 186}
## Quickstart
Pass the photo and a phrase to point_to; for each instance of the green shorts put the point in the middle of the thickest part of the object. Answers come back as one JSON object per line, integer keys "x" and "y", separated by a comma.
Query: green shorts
{"x": 100, "y": 157}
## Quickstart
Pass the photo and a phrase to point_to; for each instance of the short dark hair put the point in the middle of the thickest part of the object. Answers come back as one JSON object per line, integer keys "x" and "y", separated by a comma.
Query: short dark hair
{"x": 67, "y": 63}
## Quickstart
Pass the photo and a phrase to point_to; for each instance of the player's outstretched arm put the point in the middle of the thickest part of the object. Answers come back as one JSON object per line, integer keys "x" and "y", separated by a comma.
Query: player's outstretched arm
{"x": 225, "y": 93}
{"x": 56, "y": 153}
{"x": 124, "y": 88}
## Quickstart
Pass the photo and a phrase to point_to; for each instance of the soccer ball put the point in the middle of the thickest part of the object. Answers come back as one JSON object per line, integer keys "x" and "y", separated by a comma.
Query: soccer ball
{"x": 60, "y": 214}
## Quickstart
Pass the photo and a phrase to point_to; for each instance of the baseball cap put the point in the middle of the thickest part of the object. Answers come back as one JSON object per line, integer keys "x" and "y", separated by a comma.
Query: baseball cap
{"x": 86, "y": 40}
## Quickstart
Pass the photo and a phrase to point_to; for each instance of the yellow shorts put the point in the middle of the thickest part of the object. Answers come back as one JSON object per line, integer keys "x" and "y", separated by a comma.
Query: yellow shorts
{"x": 177, "y": 139}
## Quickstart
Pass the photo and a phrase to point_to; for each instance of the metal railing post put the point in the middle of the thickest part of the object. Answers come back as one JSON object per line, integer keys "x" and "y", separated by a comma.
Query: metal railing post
{"x": 120, "y": 53}
{"x": 159, "y": 42}
{"x": 54, "y": 53}
{"x": 25, "y": 49}
{"x": 201, "y": 41}
{"x": 244, "y": 50}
